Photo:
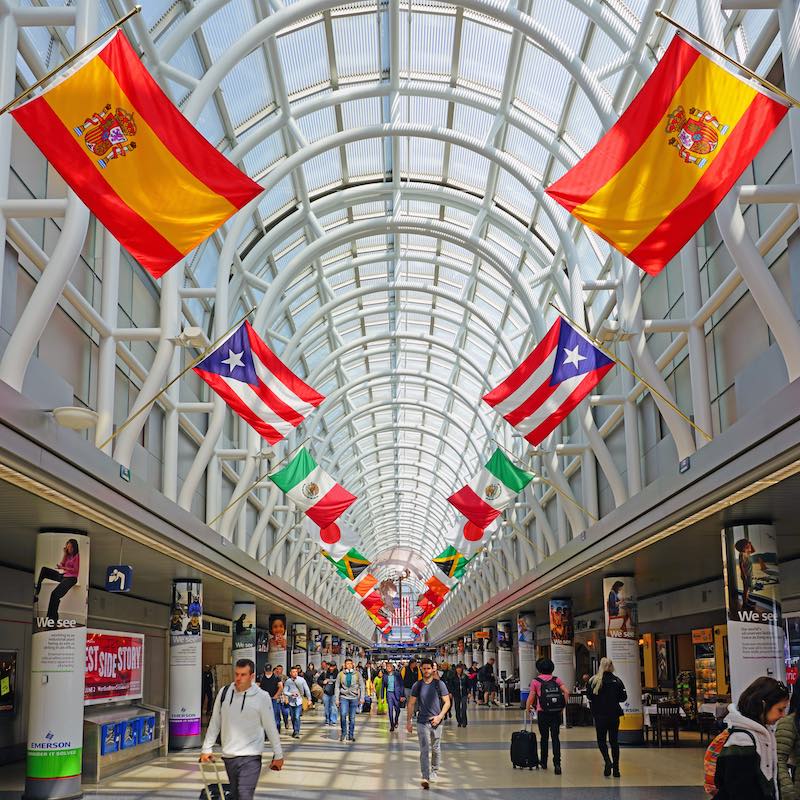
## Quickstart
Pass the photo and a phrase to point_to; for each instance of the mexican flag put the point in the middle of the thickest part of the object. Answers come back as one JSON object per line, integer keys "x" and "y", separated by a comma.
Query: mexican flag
{"x": 452, "y": 564}
{"x": 483, "y": 499}
{"x": 315, "y": 492}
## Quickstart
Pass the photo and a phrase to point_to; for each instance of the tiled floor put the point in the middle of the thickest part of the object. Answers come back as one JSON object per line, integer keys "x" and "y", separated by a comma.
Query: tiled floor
{"x": 380, "y": 765}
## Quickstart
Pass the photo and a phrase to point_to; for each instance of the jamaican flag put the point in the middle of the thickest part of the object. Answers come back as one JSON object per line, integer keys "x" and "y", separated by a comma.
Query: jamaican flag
{"x": 452, "y": 563}
{"x": 350, "y": 565}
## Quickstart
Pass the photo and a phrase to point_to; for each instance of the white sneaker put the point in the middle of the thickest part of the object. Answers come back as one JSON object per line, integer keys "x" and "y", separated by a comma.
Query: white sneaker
{"x": 434, "y": 776}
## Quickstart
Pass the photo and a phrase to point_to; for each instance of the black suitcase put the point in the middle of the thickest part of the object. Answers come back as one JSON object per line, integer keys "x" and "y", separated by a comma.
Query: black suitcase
{"x": 214, "y": 789}
{"x": 524, "y": 747}
{"x": 366, "y": 706}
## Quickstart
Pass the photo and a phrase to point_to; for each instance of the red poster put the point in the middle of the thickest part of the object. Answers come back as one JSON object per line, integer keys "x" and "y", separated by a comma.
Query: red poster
{"x": 114, "y": 666}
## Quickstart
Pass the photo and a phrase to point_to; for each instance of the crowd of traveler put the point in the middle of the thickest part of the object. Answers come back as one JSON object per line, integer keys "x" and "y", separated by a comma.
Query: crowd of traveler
{"x": 756, "y": 757}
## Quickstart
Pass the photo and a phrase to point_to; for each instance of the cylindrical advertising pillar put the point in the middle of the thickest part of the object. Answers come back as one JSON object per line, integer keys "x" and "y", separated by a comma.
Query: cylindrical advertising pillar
{"x": 622, "y": 647}
{"x": 185, "y": 664}
{"x": 315, "y": 648}
{"x": 526, "y": 638}
{"x": 58, "y": 664}
{"x": 276, "y": 642}
{"x": 562, "y": 640}
{"x": 262, "y": 650}
{"x": 300, "y": 644}
{"x": 489, "y": 645}
{"x": 477, "y": 648}
{"x": 327, "y": 646}
{"x": 752, "y": 595}
{"x": 505, "y": 656}
{"x": 244, "y": 631}
{"x": 469, "y": 656}
{"x": 461, "y": 656}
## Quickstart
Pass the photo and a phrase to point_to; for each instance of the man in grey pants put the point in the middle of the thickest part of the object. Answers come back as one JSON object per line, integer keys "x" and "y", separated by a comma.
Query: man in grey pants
{"x": 432, "y": 701}
{"x": 243, "y": 714}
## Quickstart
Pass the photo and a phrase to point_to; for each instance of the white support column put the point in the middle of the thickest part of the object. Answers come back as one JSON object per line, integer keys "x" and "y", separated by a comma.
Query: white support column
{"x": 107, "y": 355}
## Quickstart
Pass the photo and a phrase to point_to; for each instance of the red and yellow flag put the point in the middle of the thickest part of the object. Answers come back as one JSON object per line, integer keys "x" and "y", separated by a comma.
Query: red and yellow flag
{"x": 658, "y": 174}
{"x": 147, "y": 174}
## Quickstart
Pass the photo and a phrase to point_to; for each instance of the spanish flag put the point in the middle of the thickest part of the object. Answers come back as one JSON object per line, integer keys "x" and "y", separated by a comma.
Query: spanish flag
{"x": 150, "y": 177}
{"x": 658, "y": 174}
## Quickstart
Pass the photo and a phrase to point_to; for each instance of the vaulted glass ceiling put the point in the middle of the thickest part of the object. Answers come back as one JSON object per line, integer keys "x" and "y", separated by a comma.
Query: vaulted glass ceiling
{"x": 405, "y": 146}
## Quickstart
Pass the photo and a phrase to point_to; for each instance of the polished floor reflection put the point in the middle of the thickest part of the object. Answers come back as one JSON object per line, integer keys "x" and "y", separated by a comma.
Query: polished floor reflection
{"x": 380, "y": 764}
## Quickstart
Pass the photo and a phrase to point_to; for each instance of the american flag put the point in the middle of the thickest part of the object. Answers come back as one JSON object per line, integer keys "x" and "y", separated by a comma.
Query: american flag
{"x": 402, "y": 611}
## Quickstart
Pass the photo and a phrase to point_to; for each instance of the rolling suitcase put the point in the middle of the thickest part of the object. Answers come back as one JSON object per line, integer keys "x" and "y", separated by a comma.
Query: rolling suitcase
{"x": 214, "y": 789}
{"x": 524, "y": 747}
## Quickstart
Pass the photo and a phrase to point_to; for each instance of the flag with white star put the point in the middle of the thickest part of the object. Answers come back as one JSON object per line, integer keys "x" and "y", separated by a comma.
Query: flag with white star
{"x": 561, "y": 370}
{"x": 257, "y": 385}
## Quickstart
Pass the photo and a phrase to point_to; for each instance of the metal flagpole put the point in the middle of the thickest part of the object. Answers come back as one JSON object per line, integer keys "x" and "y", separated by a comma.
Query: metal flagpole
{"x": 633, "y": 372}
{"x": 548, "y": 482}
{"x": 191, "y": 364}
{"x": 70, "y": 59}
{"x": 755, "y": 76}
{"x": 256, "y": 482}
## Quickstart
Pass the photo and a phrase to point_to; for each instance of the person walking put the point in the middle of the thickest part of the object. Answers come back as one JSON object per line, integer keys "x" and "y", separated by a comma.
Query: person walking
{"x": 271, "y": 683}
{"x": 605, "y": 692}
{"x": 328, "y": 683}
{"x": 242, "y": 716}
{"x": 282, "y": 707}
{"x": 488, "y": 680}
{"x": 787, "y": 737}
{"x": 472, "y": 674}
{"x": 747, "y": 766}
{"x": 550, "y": 696}
{"x": 410, "y": 674}
{"x": 295, "y": 688}
{"x": 429, "y": 697}
{"x": 393, "y": 691}
{"x": 349, "y": 693}
{"x": 208, "y": 688}
{"x": 460, "y": 692}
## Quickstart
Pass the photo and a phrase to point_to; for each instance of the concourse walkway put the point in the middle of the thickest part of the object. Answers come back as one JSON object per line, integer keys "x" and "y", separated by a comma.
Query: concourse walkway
{"x": 380, "y": 766}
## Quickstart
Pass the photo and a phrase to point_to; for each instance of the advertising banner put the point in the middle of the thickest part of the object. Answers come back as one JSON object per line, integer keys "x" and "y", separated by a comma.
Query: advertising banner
{"x": 505, "y": 653}
{"x": 336, "y": 647}
{"x": 58, "y": 663}
{"x": 327, "y": 646}
{"x": 477, "y": 647}
{"x": 185, "y": 664}
{"x": 300, "y": 644}
{"x": 622, "y": 647}
{"x": 315, "y": 647}
{"x": 262, "y": 650}
{"x": 244, "y": 631}
{"x": 114, "y": 667}
{"x": 461, "y": 649}
{"x": 526, "y": 639}
{"x": 562, "y": 640}
{"x": 752, "y": 595}
{"x": 277, "y": 655}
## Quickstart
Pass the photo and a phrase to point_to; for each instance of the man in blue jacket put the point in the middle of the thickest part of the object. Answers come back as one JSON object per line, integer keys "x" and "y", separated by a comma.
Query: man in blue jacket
{"x": 393, "y": 687}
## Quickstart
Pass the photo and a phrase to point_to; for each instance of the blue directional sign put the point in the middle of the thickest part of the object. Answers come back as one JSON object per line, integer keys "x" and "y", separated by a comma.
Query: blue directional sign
{"x": 119, "y": 578}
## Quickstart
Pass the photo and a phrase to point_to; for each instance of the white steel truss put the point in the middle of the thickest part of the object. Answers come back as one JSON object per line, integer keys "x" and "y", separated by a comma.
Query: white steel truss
{"x": 403, "y": 257}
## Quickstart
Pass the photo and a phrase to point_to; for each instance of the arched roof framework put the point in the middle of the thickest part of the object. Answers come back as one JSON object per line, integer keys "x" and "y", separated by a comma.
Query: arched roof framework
{"x": 404, "y": 253}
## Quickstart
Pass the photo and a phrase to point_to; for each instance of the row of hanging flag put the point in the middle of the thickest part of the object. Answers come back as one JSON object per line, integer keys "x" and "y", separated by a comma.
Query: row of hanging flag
{"x": 161, "y": 188}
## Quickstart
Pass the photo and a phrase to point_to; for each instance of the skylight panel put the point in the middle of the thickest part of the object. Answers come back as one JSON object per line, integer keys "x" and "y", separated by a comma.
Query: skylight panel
{"x": 431, "y": 43}
{"x": 484, "y": 55}
{"x": 356, "y": 40}
{"x": 301, "y": 72}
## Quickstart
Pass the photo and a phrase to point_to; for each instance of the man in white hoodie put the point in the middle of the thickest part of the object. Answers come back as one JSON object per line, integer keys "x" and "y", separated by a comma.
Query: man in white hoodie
{"x": 243, "y": 713}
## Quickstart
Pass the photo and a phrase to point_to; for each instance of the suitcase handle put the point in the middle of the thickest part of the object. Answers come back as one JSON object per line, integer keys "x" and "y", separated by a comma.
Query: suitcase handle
{"x": 207, "y": 783}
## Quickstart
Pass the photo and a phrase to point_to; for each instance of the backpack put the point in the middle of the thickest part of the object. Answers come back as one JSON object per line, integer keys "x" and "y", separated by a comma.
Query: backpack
{"x": 551, "y": 698}
{"x": 711, "y": 756}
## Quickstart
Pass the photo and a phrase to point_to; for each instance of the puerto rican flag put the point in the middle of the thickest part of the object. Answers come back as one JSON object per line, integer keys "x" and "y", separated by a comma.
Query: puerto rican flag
{"x": 257, "y": 385}
{"x": 563, "y": 368}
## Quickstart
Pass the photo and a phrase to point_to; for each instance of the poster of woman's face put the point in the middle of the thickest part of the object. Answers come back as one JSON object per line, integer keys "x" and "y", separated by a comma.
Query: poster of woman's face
{"x": 277, "y": 632}
{"x": 60, "y": 579}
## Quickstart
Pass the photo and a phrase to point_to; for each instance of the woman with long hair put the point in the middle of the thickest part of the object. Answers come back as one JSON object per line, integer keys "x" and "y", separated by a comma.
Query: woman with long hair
{"x": 747, "y": 766}
{"x": 65, "y": 575}
{"x": 787, "y": 736}
{"x": 605, "y": 692}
